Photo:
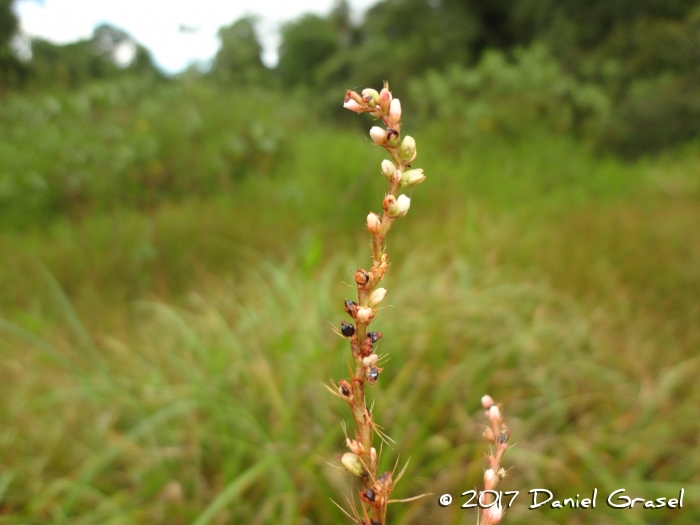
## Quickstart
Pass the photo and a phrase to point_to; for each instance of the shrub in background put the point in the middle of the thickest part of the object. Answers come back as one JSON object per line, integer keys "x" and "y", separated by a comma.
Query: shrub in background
{"x": 512, "y": 96}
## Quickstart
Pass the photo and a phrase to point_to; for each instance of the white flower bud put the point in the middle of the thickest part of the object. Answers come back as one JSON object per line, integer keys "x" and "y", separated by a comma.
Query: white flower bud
{"x": 486, "y": 402}
{"x": 408, "y": 148}
{"x": 395, "y": 112}
{"x": 376, "y": 296}
{"x": 489, "y": 479}
{"x": 370, "y": 360}
{"x": 365, "y": 314}
{"x": 412, "y": 177}
{"x": 378, "y": 135}
{"x": 374, "y": 225}
{"x": 353, "y": 464}
{"x": 403, "y": 203}
{"x": 397, "y": 207}
{"x": 494, "y": 414}
{"x": 388, "y": 169}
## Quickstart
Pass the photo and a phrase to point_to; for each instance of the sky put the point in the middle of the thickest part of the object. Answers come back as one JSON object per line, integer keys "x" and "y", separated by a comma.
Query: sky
{"x": 176, "y": 32}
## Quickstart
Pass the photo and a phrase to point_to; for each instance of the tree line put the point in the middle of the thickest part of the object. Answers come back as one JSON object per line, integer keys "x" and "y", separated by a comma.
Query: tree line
{"x": 643, "y": 54}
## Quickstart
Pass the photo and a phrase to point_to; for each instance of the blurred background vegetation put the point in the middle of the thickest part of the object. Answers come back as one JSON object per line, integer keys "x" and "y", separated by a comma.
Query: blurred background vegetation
{"x": 175, "y": 247}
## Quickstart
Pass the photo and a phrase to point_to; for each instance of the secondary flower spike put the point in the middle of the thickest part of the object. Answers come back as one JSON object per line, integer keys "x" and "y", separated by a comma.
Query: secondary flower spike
{"x": 497, "y": 435}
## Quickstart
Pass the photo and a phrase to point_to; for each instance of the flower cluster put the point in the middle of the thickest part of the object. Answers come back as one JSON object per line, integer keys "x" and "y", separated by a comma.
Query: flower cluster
{"x": 362, "y": 460}
{"x": 497, "y": 434}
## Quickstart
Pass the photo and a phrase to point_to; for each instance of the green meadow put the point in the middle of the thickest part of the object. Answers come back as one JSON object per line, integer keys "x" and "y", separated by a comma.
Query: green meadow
{"x": 174, "y": 260}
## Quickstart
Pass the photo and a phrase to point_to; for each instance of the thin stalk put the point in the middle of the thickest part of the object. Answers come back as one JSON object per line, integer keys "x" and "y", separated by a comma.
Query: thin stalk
{"x": 362, "y": 461}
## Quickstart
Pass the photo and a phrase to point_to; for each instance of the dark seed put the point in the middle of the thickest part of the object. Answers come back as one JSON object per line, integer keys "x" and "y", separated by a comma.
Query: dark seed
{"x": 347, "y": 329}
{"x": 369, "y": 495}
{"x": 373, "y": 373}
{"x": 345, "y": 390}
{"x": 350, "y": 307}
{"x": 361, "y": 277}
{"x": 503, "y": 437}
{"x": 374, "y": 336}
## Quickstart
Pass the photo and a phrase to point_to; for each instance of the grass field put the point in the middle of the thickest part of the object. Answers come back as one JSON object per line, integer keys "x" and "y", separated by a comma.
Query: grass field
{"x": 164, "y": 343}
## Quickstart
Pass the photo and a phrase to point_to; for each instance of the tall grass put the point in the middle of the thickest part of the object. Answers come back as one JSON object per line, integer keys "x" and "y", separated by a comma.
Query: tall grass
{"x": 164, "y": 364}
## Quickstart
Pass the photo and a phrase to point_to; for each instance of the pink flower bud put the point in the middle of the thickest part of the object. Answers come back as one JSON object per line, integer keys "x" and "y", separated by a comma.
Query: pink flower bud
{"x": 378, "y": 135}
{"x": 494, "y": 414}
{"x": 376, "y": 297}
{"x": 493, "y": 514}
{"x": 355, "y": 447}
{"x": 374, "y": 225}
{"x": 395, "y": 112}
{"x": 385, "y": 99}
{"x": 389, "y": 202}
{"x": 408, "y": 148}
{"x": 489, "y": 479}
{"x": 486, "y": 402}
{"x": 388, "y": 169}
{"x": 352, "y": 106}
